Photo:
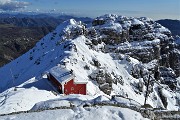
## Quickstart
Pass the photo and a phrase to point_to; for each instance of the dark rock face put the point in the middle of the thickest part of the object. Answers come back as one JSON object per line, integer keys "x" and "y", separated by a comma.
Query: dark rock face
{"x": 96, "y": 63}
{"x": 174, "y": 61}
{"x": 168, "y": 77}
{"x": 98, "y": 22}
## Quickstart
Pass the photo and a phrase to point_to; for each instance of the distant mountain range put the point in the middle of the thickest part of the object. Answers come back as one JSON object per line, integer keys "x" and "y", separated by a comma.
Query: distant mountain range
{"x": 14, "y": 42}
{"x": 172, "y": 25}
{"x": 42, "y": 20}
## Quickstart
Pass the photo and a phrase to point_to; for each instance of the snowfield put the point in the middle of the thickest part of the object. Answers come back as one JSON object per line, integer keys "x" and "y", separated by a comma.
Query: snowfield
{"x": 23, "y": 99}
{"x": 94, "y": 113}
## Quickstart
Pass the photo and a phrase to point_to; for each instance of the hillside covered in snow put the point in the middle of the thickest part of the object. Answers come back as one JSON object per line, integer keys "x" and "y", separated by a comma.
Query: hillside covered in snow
{"x": 123, "y": 59}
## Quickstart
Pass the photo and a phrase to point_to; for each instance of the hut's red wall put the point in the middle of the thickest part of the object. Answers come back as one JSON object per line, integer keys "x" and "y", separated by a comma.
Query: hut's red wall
{"x": 55, "y": 83}
{"x": 71, "y": 88}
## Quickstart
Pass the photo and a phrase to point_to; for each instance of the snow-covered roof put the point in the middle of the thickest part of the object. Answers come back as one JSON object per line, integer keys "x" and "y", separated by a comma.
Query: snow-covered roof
{"x": 61, "y": 74}
{"x": 79, "y": 79}
{"x": 64, "y": 75}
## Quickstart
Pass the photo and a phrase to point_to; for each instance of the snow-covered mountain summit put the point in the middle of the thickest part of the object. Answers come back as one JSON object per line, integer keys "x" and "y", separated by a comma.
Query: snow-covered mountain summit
{"x": 115, "y": 54}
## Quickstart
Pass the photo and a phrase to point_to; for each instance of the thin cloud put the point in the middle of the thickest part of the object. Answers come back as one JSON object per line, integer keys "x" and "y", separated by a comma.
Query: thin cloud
{"x": 12, "y": 5}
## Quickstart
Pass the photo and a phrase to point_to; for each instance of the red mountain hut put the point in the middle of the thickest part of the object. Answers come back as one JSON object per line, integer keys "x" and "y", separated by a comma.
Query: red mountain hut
{"x": 66, "y": 82}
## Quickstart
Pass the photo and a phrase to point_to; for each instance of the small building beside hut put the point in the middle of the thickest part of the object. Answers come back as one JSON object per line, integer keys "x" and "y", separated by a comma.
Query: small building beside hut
{"x": 66, "y": 82}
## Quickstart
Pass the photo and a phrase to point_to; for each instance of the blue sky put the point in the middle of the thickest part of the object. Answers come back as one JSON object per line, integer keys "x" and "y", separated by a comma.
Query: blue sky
{"x": 155, "y": 9}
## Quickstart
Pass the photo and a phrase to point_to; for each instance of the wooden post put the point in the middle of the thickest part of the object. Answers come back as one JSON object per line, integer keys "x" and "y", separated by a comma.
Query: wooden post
{"x": 12, "y": 77}
{"x": 147, "y": 89}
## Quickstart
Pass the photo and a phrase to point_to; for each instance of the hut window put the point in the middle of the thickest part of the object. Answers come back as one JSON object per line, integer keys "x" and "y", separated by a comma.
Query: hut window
{"x": 72, "y": 88}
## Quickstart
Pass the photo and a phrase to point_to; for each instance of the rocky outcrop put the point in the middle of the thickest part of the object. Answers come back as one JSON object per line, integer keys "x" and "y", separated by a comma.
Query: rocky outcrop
{"x": 105, "y": 80}
{"x": 140, "y": 38}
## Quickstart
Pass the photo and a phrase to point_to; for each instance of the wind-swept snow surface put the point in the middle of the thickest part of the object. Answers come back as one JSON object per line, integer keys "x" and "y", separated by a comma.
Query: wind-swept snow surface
{"x": 95, "y": 113}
